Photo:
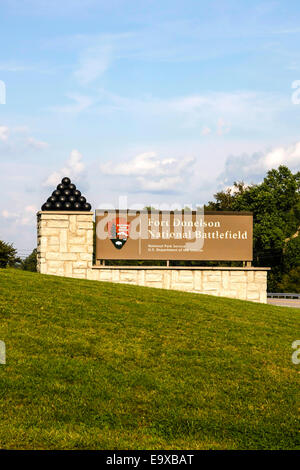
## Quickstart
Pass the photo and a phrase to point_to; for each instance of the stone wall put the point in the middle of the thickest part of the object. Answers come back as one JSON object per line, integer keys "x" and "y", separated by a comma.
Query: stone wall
{"x": 236, "y": 283}
{"x": 65, "y": 243}
{"x": 65, "y": 248}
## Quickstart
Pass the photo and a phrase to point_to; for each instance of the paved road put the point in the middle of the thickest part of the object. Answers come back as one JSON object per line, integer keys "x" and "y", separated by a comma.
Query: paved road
{"x": 295, "y": 303}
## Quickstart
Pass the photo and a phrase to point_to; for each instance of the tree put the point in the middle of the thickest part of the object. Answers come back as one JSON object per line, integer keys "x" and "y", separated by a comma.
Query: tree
{"x": 29, "y": 263}
{"x": 7, "y": 255}
{"x": 275, "y": 204}
{"x": 291, "y": 281}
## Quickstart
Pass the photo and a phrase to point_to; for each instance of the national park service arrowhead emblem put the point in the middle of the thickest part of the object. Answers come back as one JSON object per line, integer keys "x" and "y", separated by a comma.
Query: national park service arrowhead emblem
{"x": 118, "y": 231}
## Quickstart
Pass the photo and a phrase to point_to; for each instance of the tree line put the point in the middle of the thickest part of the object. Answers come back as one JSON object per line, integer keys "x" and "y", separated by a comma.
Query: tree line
{"x": 275, "y": 204}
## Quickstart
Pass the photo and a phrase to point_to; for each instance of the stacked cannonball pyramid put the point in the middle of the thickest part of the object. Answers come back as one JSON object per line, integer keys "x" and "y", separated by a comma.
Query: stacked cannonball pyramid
{"x": 66, "y": 198}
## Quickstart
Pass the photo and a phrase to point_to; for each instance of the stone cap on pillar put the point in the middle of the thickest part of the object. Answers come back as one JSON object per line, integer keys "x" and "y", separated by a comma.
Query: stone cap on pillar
{"x": 66, "y": 198}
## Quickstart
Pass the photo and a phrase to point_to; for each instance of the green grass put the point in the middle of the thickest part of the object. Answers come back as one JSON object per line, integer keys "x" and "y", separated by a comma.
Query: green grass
{"x": 94, "y": 365}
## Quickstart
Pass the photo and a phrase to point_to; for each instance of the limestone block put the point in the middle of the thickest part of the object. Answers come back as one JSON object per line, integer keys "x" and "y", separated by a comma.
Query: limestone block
{"x": 260, "y": 276}
{"x": 86, "y": 256}
{"x": 86, "y": 225}
{"x": 188, "y": 279}
{"x": 53, "y": 240}
{"x": 225, "y": 280}
{"x": 263, "y": 297}
{"x": 128, "y": 276}
{"x": 115, "y": 275}
{"x": 42, "y": 223}
{"x": 253, "y": 295}
{"x": 84, "y": 218}
{"x": 252, "y": 287}
{"x": 79, "y": 276}
{"x": 105, "y": 275}
{"x": 216, "y": 277}
{"x": 73, "y": 224}
{"x": 156, "y": 277}
{"x": 43, "y": 242}
{"x": 58, "y": 223}
{"x": 197, "y": 280}
{"x": 68, "y": 267}
{"x": 68, "y": 256}
{"x": 209, "y": 286}
{"x": 240, "y": 279}
{"x": 77, "y": 248}
{"x": 79, "y": 264}
{"x": 93, "y": 274}
{"x": 89, "y": 236}
{"x": 185, "y": 273}
{"x": 52, "y": 255}
{"x": 46, "y": 216}
{"x": 79, "y": 271}
{"x": 63, "y": 240}
{"x": 45, "y": 231}
{"x": 76, "y": 240}
{"x": 80, "y": 232}
{"x": 166, "y": 280}
{"x": 56, "y": 264}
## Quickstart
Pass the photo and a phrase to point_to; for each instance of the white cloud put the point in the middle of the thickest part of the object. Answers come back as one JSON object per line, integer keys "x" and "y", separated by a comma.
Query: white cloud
{"x": 151, "y": 172}
{"x": 73, "y": 169}
{"x": 37, "y": 144}
{"x": 80, "y": 103}
{"x": 93, "y": 63}
{"x": 12, "y": 66}
{"x": 20, "y": 217}
{"x": 147, "y": 163}
{"x": 253, "y": 168}
{"x": 32, "y": 209}
{"x": 4, "y": 133}
{"x": 206, "y": 130}
{"x": 161, "y": 185}
{"x": 223, "y": 127}
{"x": 8, "y": 214}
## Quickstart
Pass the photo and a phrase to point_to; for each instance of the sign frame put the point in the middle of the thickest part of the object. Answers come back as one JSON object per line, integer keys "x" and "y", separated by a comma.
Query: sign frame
{"x": 243, "y": 251}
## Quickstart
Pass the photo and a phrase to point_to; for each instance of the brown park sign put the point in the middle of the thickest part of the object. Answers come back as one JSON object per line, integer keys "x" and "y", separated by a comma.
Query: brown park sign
{"x": 173, "y": 235}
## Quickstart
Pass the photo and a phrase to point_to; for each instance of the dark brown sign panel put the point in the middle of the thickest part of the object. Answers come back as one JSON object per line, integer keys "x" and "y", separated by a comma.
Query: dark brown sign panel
{"x": 165, "y": 235}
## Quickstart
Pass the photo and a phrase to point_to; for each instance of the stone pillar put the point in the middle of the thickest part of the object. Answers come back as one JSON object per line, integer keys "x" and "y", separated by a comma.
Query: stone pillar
{"x": 65, "y": 243}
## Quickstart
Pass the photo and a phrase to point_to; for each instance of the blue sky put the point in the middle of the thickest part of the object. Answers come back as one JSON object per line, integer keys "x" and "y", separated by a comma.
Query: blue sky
{"x": 164, "y": 102}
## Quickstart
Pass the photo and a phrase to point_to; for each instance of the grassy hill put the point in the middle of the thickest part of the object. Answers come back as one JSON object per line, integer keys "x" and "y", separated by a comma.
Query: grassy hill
{"x": 106, "y": 366}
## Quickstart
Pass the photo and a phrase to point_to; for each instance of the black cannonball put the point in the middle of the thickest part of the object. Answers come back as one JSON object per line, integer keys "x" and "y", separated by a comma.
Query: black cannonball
{"x": 66, "y": 181}
{"x": 58, "y": 205}
{"x": 87, "y": 206}
{"x": 61, "y": 187}
{"x": 67, "y": 192}
{"x": 72, "y": 187}
{"x": 82, "y": 200}
{"x": 67, "y": 206}
{"x": 77, "y": 206}
{"x": 72, "y": 199}
{"x": 62, "y": 198}
{"x": 77, "y": 193}
{"x": 47, "y": 206}
{"x": 56, "y": 193}
{"x": 51, "y": 199}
